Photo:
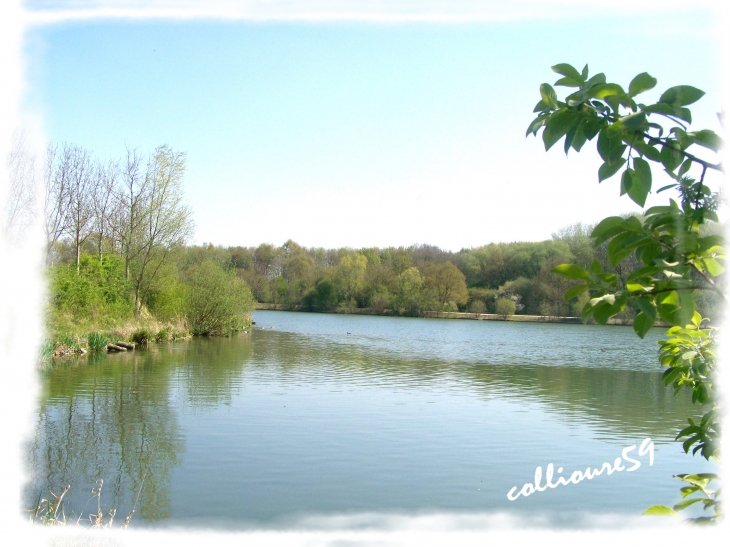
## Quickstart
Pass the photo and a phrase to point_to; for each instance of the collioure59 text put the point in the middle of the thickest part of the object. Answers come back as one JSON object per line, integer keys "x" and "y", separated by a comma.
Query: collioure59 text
{"x": 646, "y": 447}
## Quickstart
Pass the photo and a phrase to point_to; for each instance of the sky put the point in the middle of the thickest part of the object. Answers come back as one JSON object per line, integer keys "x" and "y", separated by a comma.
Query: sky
{"x": 392, "y": 126}
{"x": 333, "y": 123}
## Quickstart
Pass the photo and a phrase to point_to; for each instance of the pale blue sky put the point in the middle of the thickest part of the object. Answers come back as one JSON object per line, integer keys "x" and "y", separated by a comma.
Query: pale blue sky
{"x": 358, "y": 133}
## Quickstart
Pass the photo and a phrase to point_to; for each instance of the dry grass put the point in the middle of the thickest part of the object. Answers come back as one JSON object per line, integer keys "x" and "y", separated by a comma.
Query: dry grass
{"x": 52, "y": 512}
{"x": 69, "y": 336}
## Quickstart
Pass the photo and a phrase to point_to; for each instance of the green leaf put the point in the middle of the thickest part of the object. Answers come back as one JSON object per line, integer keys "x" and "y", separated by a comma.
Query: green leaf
{"x": 602, "y": 91}
{"x": 607, "y": 170}
{"x": 541, "y": 106}
{"x": 661, "y": 510}
{"x": 642, "y": 82}
{"x": 610, "y": 144}
{"x": 686, "y": 503}
{"x": 684, "y": 168}
{"x": 584, "y": 72}
{"x": 681, "y": 95}
{"x": 683, "y": 114}
{"x": 595, "y": 80}
{"x": 646, "y": 305}
{"x": 558, "y": 125}
{"x": 579, "y": 138}
{"x": 646, "y": 149}
{"x": 564, "y": 69}
{"x": 642, "y": 324}
{"x": 626, "y": 181}
{"x": 568, "y": 82}
{"x": 671, "y": 157}
{"x": 606, "y": 229}
{"x": 687, "y": 490}
{"x": 707, "y": 138}
{"x": 676, "y": 307}
{"x": 571, "y": 271}
{"x": 549, "y": 137}
{"x": 713, "y": 266}
{"x": 633, "y": 121}
{"x": 548, "y": 95}
{"x": 659, "y": 108}
{"x": 641, "y": 182}
{"x": 536, "y": 124}
{"x": 575, "y": 291}
{"x": 623, "y": 245}
{"x": 603, "y": 312}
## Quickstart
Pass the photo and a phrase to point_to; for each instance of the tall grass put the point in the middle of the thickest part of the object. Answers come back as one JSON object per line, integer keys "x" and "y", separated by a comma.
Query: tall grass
{"x": 97, "y": 341}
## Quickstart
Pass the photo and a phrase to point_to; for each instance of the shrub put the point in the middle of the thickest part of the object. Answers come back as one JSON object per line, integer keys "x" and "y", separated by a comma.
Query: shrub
{"x": 98, "y": 290}
{"x": 217, "y": 302}
{"x": 142, "y": 336}
{"x": 505, "y": 306}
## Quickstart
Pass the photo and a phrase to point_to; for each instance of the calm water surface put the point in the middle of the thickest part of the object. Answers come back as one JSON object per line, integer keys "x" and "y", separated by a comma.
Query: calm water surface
{"x": 323, "y": 415}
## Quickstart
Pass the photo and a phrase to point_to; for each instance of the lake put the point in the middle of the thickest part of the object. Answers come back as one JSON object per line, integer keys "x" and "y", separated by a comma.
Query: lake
{"x": 324, "y": 415}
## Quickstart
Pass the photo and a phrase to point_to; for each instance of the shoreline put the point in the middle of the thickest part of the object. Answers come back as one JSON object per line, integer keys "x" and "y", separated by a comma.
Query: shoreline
{"x": 457, "y": 315}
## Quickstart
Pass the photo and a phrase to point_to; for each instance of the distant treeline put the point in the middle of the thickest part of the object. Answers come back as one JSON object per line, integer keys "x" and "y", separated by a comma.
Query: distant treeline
{"x": 502, "y": 278}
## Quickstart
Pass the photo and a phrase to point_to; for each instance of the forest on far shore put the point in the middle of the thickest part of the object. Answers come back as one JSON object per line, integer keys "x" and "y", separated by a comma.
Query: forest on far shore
{"x": 501, "y": 278}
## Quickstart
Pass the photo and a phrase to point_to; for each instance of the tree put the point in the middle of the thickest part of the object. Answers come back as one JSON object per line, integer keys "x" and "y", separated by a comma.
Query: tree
{"x": 103, "y": 202}
{"x": 56, "y": 195}
{"x": 505, "y": 306}
{"x": 128, "y": 216}
{"x": 81, "y": 187}
{"x": 155, "y": 220}
{"x": 350, "y": 276}
{"x": 407, "y": 298}
{"x": 675, "y": 258}
{"x": 447, "y": 283}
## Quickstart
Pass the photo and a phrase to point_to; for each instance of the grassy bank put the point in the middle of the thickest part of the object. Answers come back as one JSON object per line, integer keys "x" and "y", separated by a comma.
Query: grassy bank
{"x": 68, "y": 336}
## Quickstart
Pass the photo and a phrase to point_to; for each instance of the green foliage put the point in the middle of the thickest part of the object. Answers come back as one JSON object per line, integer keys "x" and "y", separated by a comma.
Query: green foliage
{"x": 698, "y": 483}
{"x": 142, "y": 336}
{"x": 99, "y": 290}
{"x": 322, "y": 298}
{"x": 97, "y": 341}
{"x": 675, "y": 258}
{"x": 505, "y": 306}
{"x": 408, "y": 298}
{"x": 217, "y": 302}
{"x": 448, "y": 285}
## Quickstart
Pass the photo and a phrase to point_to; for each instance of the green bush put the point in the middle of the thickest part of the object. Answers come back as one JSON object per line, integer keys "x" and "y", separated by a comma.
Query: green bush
{"x": 142, "y": 336}
{"x": 162, "y": 336}
{"x": 98, "y": 291}
{"x": 505, "y": 306}
{"x": 217, "y": 302}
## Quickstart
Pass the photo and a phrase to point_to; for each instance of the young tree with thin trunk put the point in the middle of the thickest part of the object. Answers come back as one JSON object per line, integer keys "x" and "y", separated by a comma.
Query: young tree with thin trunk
{"x": 164, "y": 222}
{"x": 82, "y": 186}
{"x": 128, "y": 215}
{"x": 56, "y": 195}
{"x": 103, "y": 201}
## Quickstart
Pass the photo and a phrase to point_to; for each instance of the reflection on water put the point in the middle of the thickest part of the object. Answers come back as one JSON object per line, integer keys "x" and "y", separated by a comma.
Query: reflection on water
{"x": 327, "y": 414}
